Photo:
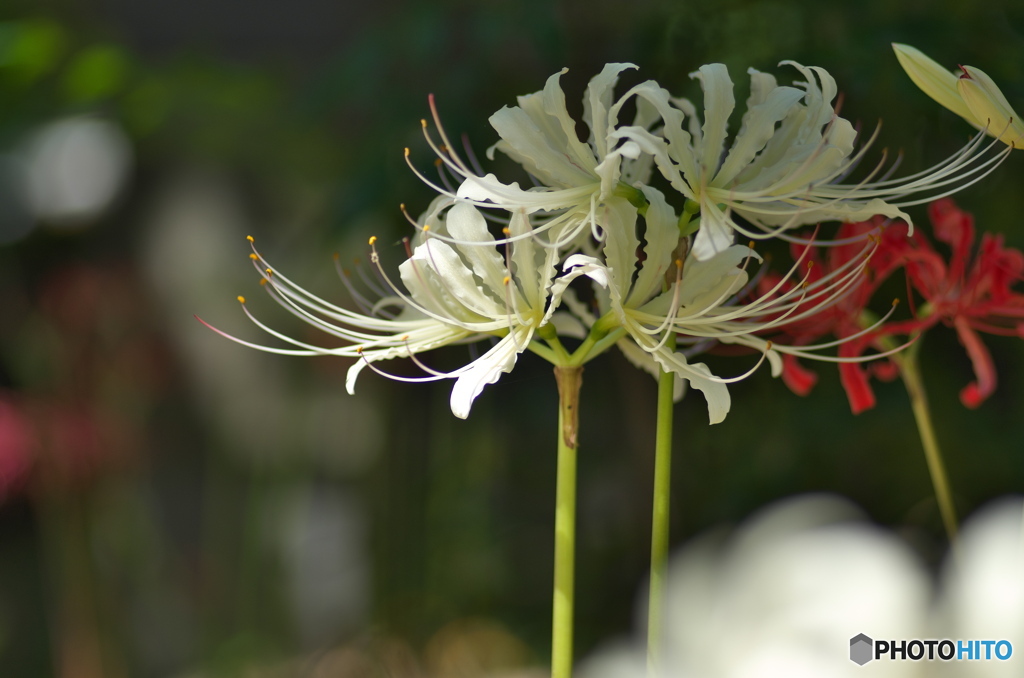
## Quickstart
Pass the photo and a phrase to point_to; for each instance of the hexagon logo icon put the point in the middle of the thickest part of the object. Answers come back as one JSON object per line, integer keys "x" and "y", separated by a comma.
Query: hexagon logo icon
{"x": 861, "y": 649}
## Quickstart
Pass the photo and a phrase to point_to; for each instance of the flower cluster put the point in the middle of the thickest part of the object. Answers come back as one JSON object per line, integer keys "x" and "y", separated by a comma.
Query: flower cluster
{"x": 970, "y": 291}
{"x": 629, "y": 237}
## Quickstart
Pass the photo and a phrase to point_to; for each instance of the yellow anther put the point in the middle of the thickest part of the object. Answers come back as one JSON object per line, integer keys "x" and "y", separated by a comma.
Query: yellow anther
{"x": 263, "y": 281}
{"x": 443, "y": 149}
{"x": 405, "y": 338}
{"x": 241, "y": 299}
{"x": 269, "y": 273}
{"x": 751, "y": 244}
{"x": 810, "y": 265}
{"x": 407, "y": 151}
{"x": 253, "y": 256}
{"x": 438, "y": 162}
{"x": 423, "y": 121}
{"x": 895, "y": 302}
{"x": 679, "y": 263}
{"x": 506, "y": 280}
{"x": 250, "y": 238}
{"x": 804, "y": 285}
{"x": 401, "y": 206}
{"x": 359, "y": 350}
{"x": 506, "y": 231}
{"x": 336, "y": 256}
{"x": 426, "y": 227}
{"x": 768, "y": 346}
{"x": 373, "y": 239}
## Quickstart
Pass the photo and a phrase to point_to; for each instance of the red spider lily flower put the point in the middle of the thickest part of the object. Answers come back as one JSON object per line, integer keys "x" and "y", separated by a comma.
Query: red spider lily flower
{"x": 969, "y": 295}
{"x": 843, "y": 318}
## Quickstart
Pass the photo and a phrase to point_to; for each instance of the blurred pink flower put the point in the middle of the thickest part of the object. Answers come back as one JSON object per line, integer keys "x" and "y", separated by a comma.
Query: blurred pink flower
{"x": 16, "y": 446}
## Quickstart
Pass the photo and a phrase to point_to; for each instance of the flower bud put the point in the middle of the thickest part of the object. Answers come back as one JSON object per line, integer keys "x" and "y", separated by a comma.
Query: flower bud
{"x": 935, "y": 81}
{"x": 990, "y": 107}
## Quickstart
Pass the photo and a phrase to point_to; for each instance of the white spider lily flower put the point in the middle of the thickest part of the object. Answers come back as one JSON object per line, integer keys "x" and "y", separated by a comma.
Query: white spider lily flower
{"x": 700, "y": 301}
{"x": 456, "y": 291}
{"x": 631, "y": 293}
{"x": 574, "y": 177}
{"x": 786, "y": 163}
{"x": 967, "y": 91}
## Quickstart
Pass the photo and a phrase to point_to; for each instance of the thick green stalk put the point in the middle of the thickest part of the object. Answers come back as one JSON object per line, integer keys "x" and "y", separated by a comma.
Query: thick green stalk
{"x": 663, "y": 470}
{"x": 660, "y": 519}
{"x": 911, "y": 374}
{"x": 569, "y": 381}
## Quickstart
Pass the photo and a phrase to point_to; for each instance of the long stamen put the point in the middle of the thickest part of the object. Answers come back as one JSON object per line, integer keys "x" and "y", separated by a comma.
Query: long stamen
{"x": 732, "y": 380}
{"x": 407, "y": 380}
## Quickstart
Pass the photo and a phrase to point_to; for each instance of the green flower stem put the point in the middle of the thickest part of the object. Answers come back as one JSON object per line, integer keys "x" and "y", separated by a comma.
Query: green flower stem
{"x": 911, "y": 374}
{"x": 545, "y": 352}
{"x": 603, "y": 344}
{"x": 660, "y": 517}
{"x": 588, "y": 349}
{"x": 569, "y": 379}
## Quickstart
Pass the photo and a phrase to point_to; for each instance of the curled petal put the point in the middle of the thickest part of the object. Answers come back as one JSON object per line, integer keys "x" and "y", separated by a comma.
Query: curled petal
{"x": 977, "y": 391}
{"x": 715, "y": 392}
{"x": 956, "y": 228}
{"x": 855, "y": 378}
{"x": 798, "y": 378}
{"x": 540, "y": 136}
{"x": 597, "y": 103}
{"x": 486, "y": 370}
{"x": 718, "y": 105}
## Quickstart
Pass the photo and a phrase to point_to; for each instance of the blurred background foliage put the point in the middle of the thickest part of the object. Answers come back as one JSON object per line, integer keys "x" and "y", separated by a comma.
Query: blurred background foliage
{"x": 175, "y": 505}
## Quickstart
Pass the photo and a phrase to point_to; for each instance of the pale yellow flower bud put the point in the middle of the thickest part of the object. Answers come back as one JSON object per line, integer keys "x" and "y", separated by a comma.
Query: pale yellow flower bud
{"x": 934, "y": 80}
{"x": 968, "y": 92}
{"x": 990, "y": 107}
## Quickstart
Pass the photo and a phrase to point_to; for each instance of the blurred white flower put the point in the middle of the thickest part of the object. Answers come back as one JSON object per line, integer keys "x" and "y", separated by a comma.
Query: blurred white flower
{"x": 983, "y": 588}
{"x": 75, "y": 168}
{"x": 783, "y": 596}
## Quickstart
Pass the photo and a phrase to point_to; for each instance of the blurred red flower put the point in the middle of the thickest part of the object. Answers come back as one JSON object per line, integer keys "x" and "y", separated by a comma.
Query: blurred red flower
{"x": 969, "y": 291}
